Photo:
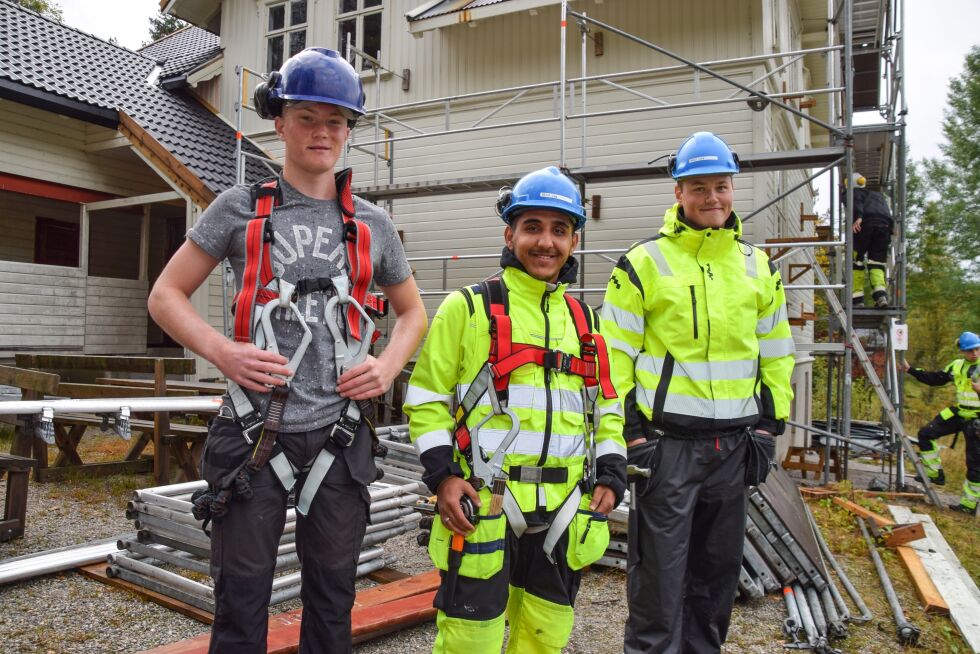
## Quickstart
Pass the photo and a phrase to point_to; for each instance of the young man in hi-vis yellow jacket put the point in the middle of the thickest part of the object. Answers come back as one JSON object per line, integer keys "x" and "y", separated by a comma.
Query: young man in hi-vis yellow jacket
{"x": 702, "y": 356}
{"x": 514, "y": 378}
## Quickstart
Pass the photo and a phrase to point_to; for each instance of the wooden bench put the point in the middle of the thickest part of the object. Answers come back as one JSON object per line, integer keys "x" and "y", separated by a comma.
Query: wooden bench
{"x": 18, "y": 470}
{"x": 796, "y": 460}
{"x": 183, "y": 440}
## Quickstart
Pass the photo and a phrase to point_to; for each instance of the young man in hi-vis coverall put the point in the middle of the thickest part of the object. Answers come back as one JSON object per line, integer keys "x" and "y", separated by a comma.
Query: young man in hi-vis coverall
{"x": 565, "y": 468}
{"x": 702, "y": 356}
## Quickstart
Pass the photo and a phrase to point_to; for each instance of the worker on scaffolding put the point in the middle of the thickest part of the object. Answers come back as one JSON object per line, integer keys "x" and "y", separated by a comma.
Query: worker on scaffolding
{"x": 288, "y": 241}
{"x": 873, "y": 225}
{"x": 963, "y": 417}
{"x": 531, "y": 460}
{"x": 703, "y": 354}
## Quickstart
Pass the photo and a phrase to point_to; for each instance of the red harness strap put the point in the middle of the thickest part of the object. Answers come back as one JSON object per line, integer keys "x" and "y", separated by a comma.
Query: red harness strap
{"x": 358, "y": 237}
{"x": 507, "y": 356}
{"x": 258, "y": 260}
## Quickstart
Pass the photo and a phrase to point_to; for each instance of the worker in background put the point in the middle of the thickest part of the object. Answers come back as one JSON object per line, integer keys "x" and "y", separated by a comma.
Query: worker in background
{"x": 703, "y": 354}
{"x": 292, "y": 417}
{"x": 873, "y": 226}
{"x": 963, "y": 417}
{"x": 531, "y": 529}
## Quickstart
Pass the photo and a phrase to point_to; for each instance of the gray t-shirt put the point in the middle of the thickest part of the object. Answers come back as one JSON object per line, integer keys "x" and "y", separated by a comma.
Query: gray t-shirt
{"x": 308, "y": 245}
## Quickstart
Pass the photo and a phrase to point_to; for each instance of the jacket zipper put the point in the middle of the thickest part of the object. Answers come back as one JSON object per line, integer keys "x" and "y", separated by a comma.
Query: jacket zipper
{"x": 547, "y": 382}
{"x": 694, "y": 311}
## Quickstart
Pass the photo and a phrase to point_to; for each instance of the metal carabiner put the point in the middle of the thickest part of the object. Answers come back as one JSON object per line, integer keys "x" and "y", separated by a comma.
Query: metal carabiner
{"x": 268, "y": 336}
{"x": 484, "y": 470}
{"x": 343, "y": 357}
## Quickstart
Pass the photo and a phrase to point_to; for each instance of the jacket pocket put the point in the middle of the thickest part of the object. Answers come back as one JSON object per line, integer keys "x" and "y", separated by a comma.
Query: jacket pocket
{"x": 483, "y": 550}
{"x": 588, "y": 536}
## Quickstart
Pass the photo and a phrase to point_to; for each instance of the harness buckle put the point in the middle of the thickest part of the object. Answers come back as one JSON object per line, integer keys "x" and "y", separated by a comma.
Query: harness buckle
{"x": 557, "y": 360}
{"x": 344, "y": 430}
{"x": 268, "y": 236}
{"x": 531, "y": 474}
{"x": 250, "y": 424}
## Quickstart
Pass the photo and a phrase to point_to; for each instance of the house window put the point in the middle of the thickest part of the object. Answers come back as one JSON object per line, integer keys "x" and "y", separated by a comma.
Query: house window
{"x": 359, "y": 23}
{"x": 285, "y": 31}
{"x": 56, "y": 242}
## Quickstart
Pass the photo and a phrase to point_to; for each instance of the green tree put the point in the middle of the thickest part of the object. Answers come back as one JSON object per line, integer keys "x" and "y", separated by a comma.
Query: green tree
{"x": 43, "y": 7}
{"x": 955, "y": 178}
{"x": 163, "y": 24}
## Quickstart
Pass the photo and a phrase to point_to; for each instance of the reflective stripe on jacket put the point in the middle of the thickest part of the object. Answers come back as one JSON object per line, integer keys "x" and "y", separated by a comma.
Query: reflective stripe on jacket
{"x": 696, "y": 321}
{"x": 967, "y": 399}
{"x": 551, "y": 411}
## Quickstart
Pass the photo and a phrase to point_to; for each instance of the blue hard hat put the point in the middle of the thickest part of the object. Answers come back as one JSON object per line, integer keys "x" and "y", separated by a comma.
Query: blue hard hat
{"x": 968, "y": 341}
{"x": 313, "y": 75}
{"x": 703, "y": 153}
{"x": 547, "y": 188}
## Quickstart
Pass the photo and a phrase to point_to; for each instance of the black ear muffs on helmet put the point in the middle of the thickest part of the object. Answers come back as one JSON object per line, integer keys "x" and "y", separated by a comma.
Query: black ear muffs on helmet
{"x": 266, "y": 106}
{"x": 504, "y": 197}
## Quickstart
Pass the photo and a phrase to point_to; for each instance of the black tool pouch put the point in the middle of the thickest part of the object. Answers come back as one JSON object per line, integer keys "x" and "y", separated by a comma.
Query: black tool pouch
{"x": 759, "y": 453}
{"x": 645, "y": 455}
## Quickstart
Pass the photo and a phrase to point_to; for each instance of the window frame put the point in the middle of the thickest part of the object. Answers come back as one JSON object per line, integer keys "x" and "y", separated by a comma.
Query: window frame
{"x": 286, "y": 31}
{"x": 358, "y": 16}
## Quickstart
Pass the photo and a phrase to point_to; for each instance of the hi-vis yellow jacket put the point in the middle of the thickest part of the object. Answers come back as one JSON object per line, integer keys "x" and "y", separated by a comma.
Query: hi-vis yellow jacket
{"x": 696, "y": 321}
{"x": 550, "y": 406}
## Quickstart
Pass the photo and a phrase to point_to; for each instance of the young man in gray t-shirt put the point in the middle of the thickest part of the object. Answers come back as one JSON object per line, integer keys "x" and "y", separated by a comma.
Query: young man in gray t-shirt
{"x": 315, "y": 99}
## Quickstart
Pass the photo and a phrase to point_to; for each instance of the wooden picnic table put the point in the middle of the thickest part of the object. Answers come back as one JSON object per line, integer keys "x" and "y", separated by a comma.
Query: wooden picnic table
{"x": 184, "y": 441}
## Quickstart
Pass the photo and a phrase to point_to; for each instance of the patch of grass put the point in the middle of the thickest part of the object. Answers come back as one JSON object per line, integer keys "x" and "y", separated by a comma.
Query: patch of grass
{"x": 90, "y": 491}
{"x": 6, "y": 436}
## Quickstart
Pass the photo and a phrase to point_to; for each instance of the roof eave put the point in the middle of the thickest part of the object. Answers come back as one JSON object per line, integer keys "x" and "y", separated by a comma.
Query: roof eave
{"x": 203, "y": 13}
{"x": 58, "y": 104}
{"x": 419, "y": 26}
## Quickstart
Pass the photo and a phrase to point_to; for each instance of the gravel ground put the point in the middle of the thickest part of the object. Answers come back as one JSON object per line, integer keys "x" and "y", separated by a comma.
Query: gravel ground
{"x": 68, "y": 612}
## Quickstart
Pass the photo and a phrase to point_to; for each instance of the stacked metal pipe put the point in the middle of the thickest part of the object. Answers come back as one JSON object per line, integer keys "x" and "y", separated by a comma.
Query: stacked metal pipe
{"x": 170, "y": 553}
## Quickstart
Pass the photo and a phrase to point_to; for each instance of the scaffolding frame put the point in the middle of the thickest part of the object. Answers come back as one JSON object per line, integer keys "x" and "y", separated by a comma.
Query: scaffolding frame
{"x": 881, "y": 26}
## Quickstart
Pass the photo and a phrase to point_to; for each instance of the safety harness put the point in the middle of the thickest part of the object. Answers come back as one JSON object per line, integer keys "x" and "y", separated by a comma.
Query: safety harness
{"x": 506, "y": 356}
{"x": 261, "y": 292}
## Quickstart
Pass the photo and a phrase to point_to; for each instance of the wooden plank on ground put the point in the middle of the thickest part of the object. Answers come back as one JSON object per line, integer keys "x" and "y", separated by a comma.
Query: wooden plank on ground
{"x": 97, "y": 571}
{"x": 172, "y": 365}
{"x": 932, "y": 600}
{"x": 387, "y": 575}
{"x": 879, "y": 520}
{"x": 375, "y": 614}
{"x": 35, "y": 380}
{"x": 944, "y": 567}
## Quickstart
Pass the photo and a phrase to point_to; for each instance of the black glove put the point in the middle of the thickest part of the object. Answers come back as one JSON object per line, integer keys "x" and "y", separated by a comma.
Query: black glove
{"x": 760, "y": 450}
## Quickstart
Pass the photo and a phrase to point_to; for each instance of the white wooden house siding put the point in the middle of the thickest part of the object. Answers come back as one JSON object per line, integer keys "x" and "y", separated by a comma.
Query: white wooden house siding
{"x": 42, "y": 145}
{"x": 41, "y": 307}
{"x": 58, "y": 308}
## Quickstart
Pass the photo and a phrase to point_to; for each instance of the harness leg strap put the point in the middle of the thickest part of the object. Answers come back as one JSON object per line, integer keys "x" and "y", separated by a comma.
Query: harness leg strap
{"x": 318, "y": 472}
{"x": 561, "y": 521}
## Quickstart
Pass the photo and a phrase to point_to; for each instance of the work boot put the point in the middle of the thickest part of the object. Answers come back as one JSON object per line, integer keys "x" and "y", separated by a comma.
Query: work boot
{"x": 857, "y": 301}
{"x": 881, "y": 299}
{"x": 939, "y": 480}
{"x": 959, "y": 508}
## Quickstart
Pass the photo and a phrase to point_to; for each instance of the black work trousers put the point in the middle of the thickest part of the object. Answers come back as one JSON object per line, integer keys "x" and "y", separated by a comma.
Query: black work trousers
{"x": 685, "y": 547}
{"x": 872, "y": 241}
{"x": 940, "y": 426}
{"x": 328, "y": 542}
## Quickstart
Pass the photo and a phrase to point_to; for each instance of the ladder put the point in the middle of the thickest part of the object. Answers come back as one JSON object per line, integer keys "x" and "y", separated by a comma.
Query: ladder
{"x": 904, "y": 442}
